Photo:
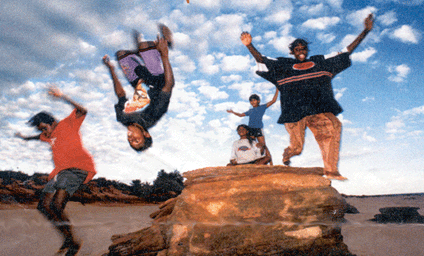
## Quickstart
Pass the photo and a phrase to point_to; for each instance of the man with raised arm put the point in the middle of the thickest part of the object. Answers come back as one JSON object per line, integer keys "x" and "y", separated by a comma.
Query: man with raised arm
{"x": 306, "y": 96}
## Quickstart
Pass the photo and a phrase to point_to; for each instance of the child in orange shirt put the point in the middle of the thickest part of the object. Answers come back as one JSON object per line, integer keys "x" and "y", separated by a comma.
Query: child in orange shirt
{"x": 73, "y": 166}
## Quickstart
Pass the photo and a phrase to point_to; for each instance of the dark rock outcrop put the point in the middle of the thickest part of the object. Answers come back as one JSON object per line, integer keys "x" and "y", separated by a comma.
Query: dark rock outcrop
{"x": 27, "y": 192}
{"x": 399, "y": 215}
{"x": 244, "y": 210}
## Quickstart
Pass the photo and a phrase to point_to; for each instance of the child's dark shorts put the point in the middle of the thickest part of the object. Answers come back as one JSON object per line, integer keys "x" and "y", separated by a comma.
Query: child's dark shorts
{"x": 69, "y": 180}
{"x": 257, "y": 132}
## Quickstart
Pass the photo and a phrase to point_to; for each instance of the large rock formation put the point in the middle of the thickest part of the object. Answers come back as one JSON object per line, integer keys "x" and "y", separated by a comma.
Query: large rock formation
{"x": 244, "y": 210}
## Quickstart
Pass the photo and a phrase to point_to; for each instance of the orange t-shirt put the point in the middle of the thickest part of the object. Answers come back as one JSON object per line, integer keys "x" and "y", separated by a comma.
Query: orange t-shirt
{"x": 68, "y": 151}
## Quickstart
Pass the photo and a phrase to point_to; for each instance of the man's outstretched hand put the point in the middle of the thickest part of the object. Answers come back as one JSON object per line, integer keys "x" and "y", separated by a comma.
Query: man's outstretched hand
{"x": 369, "y": 22}
{"x": 246, "y": 38}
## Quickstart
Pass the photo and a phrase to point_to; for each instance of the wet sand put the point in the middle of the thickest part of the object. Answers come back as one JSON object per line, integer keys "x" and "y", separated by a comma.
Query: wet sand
{"x": 26, "y": 232}
{"x": 368, "y": 238}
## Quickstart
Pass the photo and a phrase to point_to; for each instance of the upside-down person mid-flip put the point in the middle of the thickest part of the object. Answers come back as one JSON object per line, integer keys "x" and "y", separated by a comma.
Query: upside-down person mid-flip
{"x": 73, "y": 166}
{"x": 138, "y": 122}
{"x": 306, "y": 96}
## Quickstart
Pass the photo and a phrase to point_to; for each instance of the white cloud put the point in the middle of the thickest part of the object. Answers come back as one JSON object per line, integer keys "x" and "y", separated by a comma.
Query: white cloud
{"x": 366, "y": 99}
{"x": 339, "y": 93}
{"x": 182, "y": 40}
{"x": 336, "y": 4}
{"x": 387, "y": 18}
{"x": 257, "y": 5}
{"x": 406, "y": 34}
{"x": 207, "y": 64}
{"x": 227, "y": 29}
{"x": 207, "y": 3}
{"x": 313, "y": 10}
{"x": 368, "y": 138}
{"x": 406, "y": 124}
{"x": 326, "y": 38}
{"x": 269, "y": 35}
{"x": 399, "y": 73}
{"x": 282, "y": 43}
{"x": 364, "y": 55}
{"x": 235, "y": 63}
{"x": 116, "y": 39}
{"x": 321, "y": 23}
{"x": 184, "y": 62}
{"x": 231, "y": 78}
{"x": 345, "y": 121}
{"x": 212, "y": 92}
{"x": 279, "y": 17}
{"x": 244, "y": 88}
{"x": 357, "y": 18}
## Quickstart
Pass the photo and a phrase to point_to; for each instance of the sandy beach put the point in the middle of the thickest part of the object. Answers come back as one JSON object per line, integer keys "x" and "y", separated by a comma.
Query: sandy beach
{"x": 368, "y": 238}
{"x": 26, "y": 232}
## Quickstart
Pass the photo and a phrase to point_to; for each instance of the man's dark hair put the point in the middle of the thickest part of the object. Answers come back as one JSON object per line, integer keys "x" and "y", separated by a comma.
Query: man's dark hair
{"x": 254, "y": 97}
{"x": 42, "y": 117}
{"x": 297, "y": 42}
{"x": 148, "y": 141}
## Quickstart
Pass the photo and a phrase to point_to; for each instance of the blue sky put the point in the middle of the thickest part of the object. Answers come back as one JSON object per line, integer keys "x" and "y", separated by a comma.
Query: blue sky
{"x": 62, "y": 43}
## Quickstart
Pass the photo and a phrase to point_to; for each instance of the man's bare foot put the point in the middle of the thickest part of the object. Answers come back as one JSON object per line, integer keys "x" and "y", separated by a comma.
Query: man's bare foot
{"x": 167, "y": 34}
{"x": 73, "y": 248}
{"x": 65, "y": 246}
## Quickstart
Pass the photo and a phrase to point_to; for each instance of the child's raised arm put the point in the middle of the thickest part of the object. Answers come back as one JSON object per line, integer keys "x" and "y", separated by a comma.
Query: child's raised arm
{"x": 117, "y": 86}
{"x": 55, "y": 92}
{"x": 235, "y": 113}
{"x": 274, "y": 99}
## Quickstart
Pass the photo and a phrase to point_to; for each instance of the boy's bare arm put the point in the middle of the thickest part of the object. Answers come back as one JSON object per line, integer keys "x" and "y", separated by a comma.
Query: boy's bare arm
{"x": 33, "y": 137}
{"x": 368, "y": 24}
{"x": 162, "y": 47}
{"x": 246, "y": 39}
{"x": 235, "y": 113}
{"x": 274, "y": 99}
{"x": 55, "y": 92}
{"x": 117, "y": 86}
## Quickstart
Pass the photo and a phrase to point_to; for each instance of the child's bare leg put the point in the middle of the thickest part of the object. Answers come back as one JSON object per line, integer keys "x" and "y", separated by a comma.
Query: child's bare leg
{"x": 263, "y": 161}
{"x": 261, "y": 139}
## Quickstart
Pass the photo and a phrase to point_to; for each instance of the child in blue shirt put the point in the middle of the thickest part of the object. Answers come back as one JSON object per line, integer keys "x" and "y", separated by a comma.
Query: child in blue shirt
{"x": 255, "y": 115}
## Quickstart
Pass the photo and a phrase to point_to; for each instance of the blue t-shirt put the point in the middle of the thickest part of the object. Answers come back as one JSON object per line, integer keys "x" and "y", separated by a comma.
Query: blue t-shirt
{"x": 255, "y": 116}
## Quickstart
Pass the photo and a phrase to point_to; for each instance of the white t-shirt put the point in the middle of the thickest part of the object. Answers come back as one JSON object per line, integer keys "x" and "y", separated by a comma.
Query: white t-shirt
{"x": 243, "y": 152}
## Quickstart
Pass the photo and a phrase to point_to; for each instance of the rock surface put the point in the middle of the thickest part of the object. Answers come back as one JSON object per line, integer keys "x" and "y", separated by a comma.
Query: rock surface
{"x": 245, "y": 210}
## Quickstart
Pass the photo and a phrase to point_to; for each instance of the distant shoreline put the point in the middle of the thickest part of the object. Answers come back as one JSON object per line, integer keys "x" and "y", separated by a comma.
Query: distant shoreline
{"x": 16, "y": 206}
{"x": 33, "y": 205}
{"x": 383, "y": 195}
